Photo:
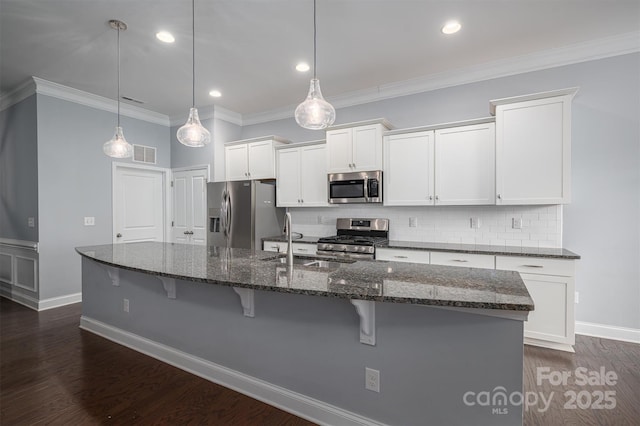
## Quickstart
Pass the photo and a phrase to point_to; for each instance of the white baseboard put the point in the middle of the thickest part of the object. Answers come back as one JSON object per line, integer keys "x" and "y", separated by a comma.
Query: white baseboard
{"x": 23, "y": 299}
{"x": 56, "y": 302}
{"x": 608, "y": 332}
{"x": 41, "y": 305}
{"x": 549, "y": 345}
{"x": 292, "y": 402}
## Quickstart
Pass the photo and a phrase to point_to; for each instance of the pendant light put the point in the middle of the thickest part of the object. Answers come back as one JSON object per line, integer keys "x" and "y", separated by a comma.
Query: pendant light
{"x": 193, "y": 132}
{"x": 314, "y": 112}
{"x": 117, "y": 146}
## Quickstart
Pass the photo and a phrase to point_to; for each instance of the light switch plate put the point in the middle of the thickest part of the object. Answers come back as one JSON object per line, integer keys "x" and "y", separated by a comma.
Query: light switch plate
{"x": 475, "y": 222}
{"x": 31, "y": 222}
{"x": 516, "y": 223}
{"x": 413, "y": 222}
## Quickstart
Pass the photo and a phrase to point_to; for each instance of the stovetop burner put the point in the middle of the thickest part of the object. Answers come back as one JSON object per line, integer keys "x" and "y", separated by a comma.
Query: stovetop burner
{"x": 356, "y": 238}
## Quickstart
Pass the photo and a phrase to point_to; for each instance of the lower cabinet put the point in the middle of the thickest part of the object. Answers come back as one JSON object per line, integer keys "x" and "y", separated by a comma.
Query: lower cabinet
{"x": 551, "y": 284}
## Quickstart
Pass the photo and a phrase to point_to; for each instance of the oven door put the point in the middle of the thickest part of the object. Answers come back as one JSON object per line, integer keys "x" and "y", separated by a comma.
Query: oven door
{"x": 354, "y": 187}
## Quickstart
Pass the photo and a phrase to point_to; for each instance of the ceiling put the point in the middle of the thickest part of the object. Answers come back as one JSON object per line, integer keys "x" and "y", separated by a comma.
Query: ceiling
{"x": 248, "y": 48}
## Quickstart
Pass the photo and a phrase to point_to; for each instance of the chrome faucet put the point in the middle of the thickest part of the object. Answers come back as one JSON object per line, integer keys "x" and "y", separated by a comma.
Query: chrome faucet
{"x": 287, "y": 230}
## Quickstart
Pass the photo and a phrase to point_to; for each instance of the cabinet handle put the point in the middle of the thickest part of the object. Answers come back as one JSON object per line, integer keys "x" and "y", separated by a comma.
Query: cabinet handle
{"x": 499, "y": 197}
{"x": 186, "y": 232}
{"x": 459, "y": 260}
{"x": 430, "y": 197}
{"x": 400, "y": 257}
{"x": 302, "y": 249}
{"x": 302, "y": 201}
{"x": 277, "y": 248}
{"x": 437, "y": 198}
{"x": 533, "y": 266}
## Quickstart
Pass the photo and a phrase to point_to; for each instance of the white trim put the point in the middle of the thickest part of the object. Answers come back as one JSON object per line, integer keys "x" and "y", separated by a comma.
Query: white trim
{"x": 18, "y": 94}
{"x": 48, "y": 88}
{"x": 208, "y": 112}
{"x": 549, "y": 345}
{"x": 581, "y": 52}
{"x": 23, "y": 244}
{"x": 16, "y": 275}
{"x": 198, "y": 167}
{"x": 604, "y": 331}
{"x": 56, "y": 302}
{"x": 292, "y": 402}
{"x": 21, "y": 298}
{"x": 167, "y": 194}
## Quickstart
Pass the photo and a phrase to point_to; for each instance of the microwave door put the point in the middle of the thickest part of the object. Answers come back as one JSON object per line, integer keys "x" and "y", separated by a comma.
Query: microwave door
{"x": 347, "y": 191}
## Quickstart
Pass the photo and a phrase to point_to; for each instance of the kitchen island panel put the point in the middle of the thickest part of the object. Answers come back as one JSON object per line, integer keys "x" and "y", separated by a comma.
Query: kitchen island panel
{"x": 427, "y": 357}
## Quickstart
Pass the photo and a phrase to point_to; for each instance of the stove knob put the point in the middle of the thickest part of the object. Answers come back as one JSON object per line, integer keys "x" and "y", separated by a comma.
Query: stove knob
{"x": 328, "y": 247}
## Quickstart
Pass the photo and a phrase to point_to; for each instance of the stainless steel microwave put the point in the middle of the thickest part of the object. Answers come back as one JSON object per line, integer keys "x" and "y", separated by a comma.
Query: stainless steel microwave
{"x": 355, "y": 187}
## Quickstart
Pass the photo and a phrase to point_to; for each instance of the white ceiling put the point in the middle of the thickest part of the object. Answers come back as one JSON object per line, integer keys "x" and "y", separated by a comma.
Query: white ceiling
{"x": 248, "y": 48}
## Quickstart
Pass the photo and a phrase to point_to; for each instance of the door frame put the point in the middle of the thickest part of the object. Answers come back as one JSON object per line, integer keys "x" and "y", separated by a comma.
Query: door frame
{"x": 166, "y": 195}
{"x": 170, "y": 192}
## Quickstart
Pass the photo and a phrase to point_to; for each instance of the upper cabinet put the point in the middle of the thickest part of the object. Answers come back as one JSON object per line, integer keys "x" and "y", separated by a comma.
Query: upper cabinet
{"x": 451, "y": 164}
{"x": 356, "y": 147}
{"x": 251, "y": 158}
{"x": 533, "y": 148}
{"x": 302, "y": 175}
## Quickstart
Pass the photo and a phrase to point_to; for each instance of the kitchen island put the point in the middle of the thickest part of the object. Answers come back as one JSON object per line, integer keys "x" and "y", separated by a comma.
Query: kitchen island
{"x": 301, "y": 337}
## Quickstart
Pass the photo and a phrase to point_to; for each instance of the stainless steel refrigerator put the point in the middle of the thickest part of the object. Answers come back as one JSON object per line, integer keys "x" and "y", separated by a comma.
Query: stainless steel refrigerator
{"x": 241, "y": 213}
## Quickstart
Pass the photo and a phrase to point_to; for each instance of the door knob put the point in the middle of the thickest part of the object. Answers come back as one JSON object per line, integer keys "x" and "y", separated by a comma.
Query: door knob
{"x": 186, "y": 232}
{"x": 118, "y": 235}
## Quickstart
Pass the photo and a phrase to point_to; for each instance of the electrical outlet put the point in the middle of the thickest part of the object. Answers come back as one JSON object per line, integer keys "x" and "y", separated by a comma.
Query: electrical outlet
{"x": 125, "y": 305}
{"x": 89, "y": 221}
{"x": 577, "y": 297}
{"x": 413, "y": 222}
{"x": 516, "y": 223}
{"x": 372, "y": 379}
{"x": 475, "y": 222}
{"x": 319, "y": 220}
{"x": 31, "y": 222}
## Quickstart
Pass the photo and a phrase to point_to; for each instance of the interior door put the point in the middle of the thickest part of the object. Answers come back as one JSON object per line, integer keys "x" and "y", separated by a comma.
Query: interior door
{"x": 138, "y": 205}
{"x": 190, "y": 206}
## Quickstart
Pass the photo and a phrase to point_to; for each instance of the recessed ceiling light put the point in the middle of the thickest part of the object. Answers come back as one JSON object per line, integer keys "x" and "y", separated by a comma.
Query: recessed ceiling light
{"x": 451, "y": 27}
{"x": 215, "y": 93}
{"x": 302, "y": 67}
{"x": 165, "y": 36}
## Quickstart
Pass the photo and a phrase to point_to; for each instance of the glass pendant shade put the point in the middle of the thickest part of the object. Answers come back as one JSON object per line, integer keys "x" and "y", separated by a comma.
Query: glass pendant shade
{"x": 193, "y": 133}
{"x": 315, "y": 113}
{"x": 117, "y": 146}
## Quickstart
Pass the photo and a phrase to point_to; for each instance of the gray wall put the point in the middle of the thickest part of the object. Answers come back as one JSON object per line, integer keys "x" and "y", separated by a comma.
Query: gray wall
{"x": 427, "y": 357}
{"x": 19, "y": 170}
{"x": 212, "y": 154}
{"x": 601, "y": 223}
{"x": 74, "y": 180}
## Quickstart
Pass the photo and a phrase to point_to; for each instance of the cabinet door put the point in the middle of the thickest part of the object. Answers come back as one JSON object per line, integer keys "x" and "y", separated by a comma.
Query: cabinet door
{"x": 465, "y": 165}
{"x": 261, "y": 164}
{"x": 339, "y": 151}
{"x": 367, "y": 148}
{"x": 288, "y": 177}
{"x": 533, "y": 151}
{"x": 277, "y": 246}
{"x": 408, "y": 170}
{"x": 552, "y": 320}
{"x": 403, "y": 255}
{"x": 190, "y": 207}
{"x": 313, "y": 176}
{"x": 236, "y": 162}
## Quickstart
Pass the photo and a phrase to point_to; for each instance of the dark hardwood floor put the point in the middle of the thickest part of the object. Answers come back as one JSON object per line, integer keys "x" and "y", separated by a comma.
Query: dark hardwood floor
{"x": 54, "y": 373}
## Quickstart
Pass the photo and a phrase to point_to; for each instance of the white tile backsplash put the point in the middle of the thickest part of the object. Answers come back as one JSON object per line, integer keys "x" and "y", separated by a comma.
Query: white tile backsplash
{"x": 541, "y": 225}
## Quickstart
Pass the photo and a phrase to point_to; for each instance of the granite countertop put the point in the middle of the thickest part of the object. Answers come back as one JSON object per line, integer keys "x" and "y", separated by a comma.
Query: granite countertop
{"x": 379, "y": 281}
{"x": 551, "y": 253}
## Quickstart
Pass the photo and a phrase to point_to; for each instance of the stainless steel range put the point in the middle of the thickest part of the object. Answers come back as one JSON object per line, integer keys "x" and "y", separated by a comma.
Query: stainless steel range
{"x": 356, "y": 239}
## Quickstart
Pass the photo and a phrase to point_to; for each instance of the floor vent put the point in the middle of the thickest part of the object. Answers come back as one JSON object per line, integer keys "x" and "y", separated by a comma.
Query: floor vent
{"x": 144, "y": 154}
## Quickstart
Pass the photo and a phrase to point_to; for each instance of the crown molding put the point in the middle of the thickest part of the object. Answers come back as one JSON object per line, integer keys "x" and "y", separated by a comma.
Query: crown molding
{"x": 207, "y": 112}
{"x": 575, "y": 53}
{"x": 48, "y": 88}
{"x": 18, "y": 94}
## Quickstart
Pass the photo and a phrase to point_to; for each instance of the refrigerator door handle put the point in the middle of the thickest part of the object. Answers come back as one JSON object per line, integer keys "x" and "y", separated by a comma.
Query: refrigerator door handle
{"x": 229, "y": 216}
{"x": 223, "y": 213}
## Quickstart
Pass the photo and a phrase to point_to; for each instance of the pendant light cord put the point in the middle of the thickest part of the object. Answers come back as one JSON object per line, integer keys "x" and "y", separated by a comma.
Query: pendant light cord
{"x": 314, "y": 39}
{"x": 193, "y": 52}
{"x": 118, "y": 74}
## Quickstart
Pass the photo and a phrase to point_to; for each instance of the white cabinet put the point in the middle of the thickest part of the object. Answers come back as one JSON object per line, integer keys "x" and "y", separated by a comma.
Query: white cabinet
{"x": 308, "y": 249}
{"x": 251, "y": 158}
{"x": 465, "y": 165}
{"x": 468, "y": 260}
{"x": 355, "y": 147}
{"x": 301, "y": 177}
{"x": 533, "y": 148}
{"x": 446, "y": 166}
{"x": 402, "y": 255}
{"x": 550, "y": 283}
{"x": 408, "y": 169}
